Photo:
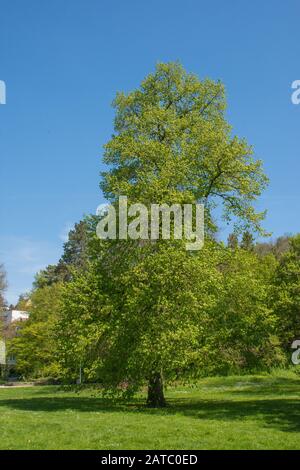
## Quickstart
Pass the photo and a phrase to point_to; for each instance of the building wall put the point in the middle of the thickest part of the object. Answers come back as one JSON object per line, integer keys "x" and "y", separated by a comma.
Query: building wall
{"x": 10, "y": 316}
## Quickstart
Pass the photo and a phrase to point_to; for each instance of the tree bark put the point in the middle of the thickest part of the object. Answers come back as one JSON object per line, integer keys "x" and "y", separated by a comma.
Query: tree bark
{"x": 156, "y": 397}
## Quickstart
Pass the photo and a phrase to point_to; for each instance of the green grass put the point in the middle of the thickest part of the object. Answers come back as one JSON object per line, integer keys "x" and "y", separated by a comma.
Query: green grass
{"x": 247, "y": 412}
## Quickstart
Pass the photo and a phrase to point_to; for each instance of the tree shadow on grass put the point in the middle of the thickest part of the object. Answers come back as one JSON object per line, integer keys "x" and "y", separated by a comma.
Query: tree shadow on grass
{"x": 256, "y": 384}
{"x": 280, "y": 413}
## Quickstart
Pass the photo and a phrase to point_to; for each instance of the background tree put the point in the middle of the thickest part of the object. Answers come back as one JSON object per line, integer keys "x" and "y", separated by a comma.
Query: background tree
{"x": 247, "y": 242}
{"x": 34, "y": 346}
{"x": 286, "y": 294}
{"x": 278, "y": 247}
{"x": 75, "y": 248}
{"x": 244, "y": 334}
{"x": 52, "y": 274}
{"x": 24, "y": 302}
{"x": 74, "y": 256}
{"x": 232, "y": 241}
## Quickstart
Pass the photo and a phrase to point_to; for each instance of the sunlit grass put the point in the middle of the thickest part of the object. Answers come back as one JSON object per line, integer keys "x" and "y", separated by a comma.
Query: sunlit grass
{"x": 245, "y": 412}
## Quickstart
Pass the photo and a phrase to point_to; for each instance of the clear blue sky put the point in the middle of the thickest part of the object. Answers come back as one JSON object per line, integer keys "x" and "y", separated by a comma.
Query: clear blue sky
{"x": 64, "y": 60}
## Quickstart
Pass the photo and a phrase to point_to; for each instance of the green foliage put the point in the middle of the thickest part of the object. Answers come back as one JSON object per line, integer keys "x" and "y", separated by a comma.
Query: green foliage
{"x": 174, "y": 145}
{"x": 244, "y": 331}
{"x": 34, "y": 345}
{"x": 74, "y": 257}
{"x": 23, "y": 302}
{"x": 232, "y": 241}
{"x": 181, "y": 314}
{"x": 51, "y": 275}
{"x": 247, "y": 242}
{"x": 277, "y": 248}
{"x": 286, "y": 294}
{"x": 75, "y": 248}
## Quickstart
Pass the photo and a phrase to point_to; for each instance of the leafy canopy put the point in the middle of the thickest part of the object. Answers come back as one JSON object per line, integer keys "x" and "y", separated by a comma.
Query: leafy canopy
{"x": 172, "y": 144}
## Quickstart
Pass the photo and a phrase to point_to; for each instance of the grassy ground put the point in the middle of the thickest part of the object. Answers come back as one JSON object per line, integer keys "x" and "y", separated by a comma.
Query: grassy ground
{"x": 248, "y": 412}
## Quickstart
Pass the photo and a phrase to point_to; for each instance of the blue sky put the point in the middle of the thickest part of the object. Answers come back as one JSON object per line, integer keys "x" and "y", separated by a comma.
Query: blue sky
{"x": 63, "y": 62}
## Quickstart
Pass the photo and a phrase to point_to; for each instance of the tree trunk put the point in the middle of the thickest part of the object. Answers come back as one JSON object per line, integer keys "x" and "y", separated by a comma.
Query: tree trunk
{"x": 156, "y": 397}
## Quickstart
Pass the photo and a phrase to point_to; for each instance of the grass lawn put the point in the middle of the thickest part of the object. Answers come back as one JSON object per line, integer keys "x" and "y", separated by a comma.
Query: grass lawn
{"x": 247, "y": 412}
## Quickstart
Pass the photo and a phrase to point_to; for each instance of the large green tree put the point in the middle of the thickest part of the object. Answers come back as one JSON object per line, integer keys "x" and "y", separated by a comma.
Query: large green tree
{"x": 153, "y": 303}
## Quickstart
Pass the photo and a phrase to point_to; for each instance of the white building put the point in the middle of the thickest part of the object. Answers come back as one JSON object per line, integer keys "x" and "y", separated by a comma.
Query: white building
{"x": 8, "y": 317}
